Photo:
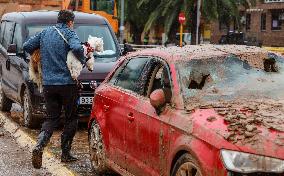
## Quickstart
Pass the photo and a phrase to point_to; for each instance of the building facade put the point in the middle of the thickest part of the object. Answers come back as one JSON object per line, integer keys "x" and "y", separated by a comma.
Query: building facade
{"x": 7, "y": 6}
{"x": 263, "y": 22}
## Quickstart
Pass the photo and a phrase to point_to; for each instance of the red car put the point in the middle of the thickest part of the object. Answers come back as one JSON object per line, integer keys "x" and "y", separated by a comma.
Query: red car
{"x": 197, "y": 110}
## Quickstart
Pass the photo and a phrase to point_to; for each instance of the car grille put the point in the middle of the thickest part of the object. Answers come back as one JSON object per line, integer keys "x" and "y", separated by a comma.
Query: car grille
{"x": 254, "y": 174}
{"x": 86, "y": 85}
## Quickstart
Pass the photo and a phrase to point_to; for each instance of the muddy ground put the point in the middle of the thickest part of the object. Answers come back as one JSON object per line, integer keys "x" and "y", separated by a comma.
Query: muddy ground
{"x": 13, "y": 159}
{"x": 80, "y": 147}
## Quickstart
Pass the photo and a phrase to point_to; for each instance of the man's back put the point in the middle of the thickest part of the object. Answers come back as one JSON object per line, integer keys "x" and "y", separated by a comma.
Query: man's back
{"x": 53, "y": 50}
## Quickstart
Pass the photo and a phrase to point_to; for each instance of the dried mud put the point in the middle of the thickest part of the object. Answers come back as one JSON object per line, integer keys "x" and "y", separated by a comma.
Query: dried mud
{"x": 244, "y": 119}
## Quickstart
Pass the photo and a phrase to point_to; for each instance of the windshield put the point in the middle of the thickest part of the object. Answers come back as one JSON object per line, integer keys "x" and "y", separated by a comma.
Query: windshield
{"x": 103, "y": 5}
{"x": 230, "y": 78}
{"x": 83, "y": 31}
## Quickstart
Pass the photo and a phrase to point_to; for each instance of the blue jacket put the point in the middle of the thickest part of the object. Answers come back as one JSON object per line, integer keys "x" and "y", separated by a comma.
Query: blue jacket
{"x": 54, "y": 51}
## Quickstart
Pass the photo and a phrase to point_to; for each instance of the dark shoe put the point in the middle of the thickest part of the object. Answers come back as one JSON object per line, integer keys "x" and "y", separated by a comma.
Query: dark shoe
{"x": 67, "y": 157}
{"x": 43, "y": 139}
{"x": 66, "y": 143}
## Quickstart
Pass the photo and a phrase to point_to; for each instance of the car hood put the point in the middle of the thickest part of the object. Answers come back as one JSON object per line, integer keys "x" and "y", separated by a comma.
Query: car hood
{"x": 242, "y": 131}
{"x": 100, "y": 71}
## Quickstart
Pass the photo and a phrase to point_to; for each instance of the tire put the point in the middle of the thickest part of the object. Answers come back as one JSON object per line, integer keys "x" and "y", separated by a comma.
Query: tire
{"x": 97, "y": 151}
{"x": 29, "y": 119}
{"x": 5, "y": 103}
{"x": 186, "y": 165}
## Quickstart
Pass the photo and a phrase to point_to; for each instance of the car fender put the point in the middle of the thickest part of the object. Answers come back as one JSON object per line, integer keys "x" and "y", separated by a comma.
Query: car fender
{"x": 206, "y": 155}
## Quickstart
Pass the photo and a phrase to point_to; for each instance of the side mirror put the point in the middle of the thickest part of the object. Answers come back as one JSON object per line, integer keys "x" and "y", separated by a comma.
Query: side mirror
{"x": 12, "y": 49}
{"x": 127, "y": 48}
{"x": 157, "y": 98}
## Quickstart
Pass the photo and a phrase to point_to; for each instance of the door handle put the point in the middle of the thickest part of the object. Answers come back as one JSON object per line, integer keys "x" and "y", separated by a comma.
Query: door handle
{"x": 130, "y": 117}
{"x": 106, "y": 108}
{"x": 22, "y": 66}
{"x": 8, "y": 63}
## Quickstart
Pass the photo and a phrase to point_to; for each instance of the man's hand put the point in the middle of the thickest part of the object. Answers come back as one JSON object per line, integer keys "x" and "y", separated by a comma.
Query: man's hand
{"x": 88, "y": 50}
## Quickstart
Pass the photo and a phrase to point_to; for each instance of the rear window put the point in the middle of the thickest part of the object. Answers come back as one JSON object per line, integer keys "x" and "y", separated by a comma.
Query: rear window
{"x": 230, "y": 78}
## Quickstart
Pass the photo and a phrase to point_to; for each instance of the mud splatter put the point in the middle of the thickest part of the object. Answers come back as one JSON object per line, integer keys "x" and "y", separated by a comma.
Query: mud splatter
{"x": 211, "y": 119}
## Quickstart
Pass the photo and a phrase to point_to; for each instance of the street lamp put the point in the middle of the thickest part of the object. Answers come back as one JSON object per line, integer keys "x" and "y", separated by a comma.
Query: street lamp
{"x": 121, "y": 28}
{"x": 198, "y": 20}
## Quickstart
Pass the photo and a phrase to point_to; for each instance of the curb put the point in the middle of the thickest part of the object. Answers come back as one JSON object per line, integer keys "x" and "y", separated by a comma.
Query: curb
{"x": 53, "y": 165}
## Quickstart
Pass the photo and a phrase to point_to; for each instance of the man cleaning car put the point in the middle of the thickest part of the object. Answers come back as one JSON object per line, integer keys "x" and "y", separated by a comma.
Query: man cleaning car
{"x": 59, "y": 89}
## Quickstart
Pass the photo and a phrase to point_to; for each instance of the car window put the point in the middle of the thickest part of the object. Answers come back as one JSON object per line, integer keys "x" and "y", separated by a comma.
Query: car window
{"x": 18, "y": 40}
{"x": 231, "y": 78}
{"x": 159, "y": 78}
{"x": 2, "y": 31}
{"x": 8, "y": 34}
{"x": 128, "y": 76}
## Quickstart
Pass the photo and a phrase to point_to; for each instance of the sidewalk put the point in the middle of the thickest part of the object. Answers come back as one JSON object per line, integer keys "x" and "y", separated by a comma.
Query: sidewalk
{"x": 14, "y": 160}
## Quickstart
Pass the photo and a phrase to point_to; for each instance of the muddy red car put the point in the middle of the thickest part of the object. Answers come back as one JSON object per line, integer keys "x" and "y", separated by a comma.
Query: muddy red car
{"x": 198, "y": 110}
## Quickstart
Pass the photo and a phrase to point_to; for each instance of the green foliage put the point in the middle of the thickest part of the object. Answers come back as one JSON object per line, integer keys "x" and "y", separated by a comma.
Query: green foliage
{"x": 166, "y": 11}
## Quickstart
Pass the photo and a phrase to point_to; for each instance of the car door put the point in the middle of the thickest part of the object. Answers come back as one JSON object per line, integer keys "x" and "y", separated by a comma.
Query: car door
{"x": 18, "y": 63}
{"x": 147, "y": 138}
{"x": 9, "y": 75}
{"x": 117, "y": 92}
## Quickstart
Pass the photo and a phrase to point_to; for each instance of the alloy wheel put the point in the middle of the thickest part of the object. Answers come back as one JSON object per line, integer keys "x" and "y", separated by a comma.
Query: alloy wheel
{"x": 188, "y": 169}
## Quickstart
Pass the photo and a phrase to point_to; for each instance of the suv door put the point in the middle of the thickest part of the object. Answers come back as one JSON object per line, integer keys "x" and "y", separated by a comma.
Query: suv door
{"x": 18, "y": 63}
{"x": 8, "y": 72}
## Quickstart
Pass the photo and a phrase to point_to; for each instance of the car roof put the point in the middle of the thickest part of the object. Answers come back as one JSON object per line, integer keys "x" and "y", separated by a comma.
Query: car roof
{"x": 252, "y": 54}
{"x": 50, "y": 17}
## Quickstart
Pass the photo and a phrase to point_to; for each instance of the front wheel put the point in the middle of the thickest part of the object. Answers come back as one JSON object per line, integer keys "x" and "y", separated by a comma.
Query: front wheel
{"x": 186, "y": 165}
{"x": 30, "y": 120}
{"x": 97, "y": 152}
{"x": 5, "y": 103}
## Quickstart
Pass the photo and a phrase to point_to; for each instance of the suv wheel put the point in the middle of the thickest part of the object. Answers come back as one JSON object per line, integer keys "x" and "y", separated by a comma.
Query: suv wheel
{"x": 186, "y": 165}
{"x": 30, "y": 120}
{"x": 97, "y": 152}
{"x": 5, "y": 103}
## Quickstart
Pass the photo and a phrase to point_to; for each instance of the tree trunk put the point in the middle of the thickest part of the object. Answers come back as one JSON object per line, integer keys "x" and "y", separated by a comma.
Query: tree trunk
{"x": 137, "y": 32}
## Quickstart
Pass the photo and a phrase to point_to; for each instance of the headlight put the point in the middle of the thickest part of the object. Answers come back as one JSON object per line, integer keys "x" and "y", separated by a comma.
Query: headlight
{"x": 249, "y": 163}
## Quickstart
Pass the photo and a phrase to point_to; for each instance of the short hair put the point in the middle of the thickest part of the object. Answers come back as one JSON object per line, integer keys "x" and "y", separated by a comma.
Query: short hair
{"x": 64, "y": 16}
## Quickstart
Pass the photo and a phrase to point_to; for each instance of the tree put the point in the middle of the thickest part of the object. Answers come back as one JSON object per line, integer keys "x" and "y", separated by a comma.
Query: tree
{"x": 167, "y": 11}
{"x": 137, "y": 17}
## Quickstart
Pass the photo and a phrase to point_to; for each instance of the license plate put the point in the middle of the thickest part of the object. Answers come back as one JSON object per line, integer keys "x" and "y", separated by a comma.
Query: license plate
{"x": 86, "y": 100}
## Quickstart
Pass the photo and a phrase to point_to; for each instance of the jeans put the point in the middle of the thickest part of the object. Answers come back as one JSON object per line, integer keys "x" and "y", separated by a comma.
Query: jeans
{"x": 56, "y": 97}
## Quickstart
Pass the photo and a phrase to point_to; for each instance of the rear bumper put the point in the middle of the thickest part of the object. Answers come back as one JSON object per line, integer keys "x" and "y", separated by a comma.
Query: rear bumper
{"x": 83, "y": 111}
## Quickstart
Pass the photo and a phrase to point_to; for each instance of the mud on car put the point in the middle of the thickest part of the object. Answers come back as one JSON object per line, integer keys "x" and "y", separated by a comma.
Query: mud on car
{"x": 213, "y": 110}
{"x": 15, "y": 85}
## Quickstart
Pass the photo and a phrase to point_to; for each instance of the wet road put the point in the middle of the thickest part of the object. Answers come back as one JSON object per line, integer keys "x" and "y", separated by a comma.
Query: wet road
{"x": 14, "y": 161}
{"x": 80, "y": 147}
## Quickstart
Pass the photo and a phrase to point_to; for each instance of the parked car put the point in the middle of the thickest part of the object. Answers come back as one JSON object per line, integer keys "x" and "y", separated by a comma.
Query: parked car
{"x": 239, "y": 38}
{"x": 15, "y": 84}
{"x": 213, "y": 110}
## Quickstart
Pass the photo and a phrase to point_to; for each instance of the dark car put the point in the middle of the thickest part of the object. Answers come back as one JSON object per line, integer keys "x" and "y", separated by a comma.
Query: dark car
{"x": 239, "y": 38}
{"x": 15, "y": 85}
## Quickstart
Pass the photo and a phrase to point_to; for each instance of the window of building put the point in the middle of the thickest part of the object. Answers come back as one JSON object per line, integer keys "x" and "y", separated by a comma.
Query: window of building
{"x": 248, "y": 21}
{"x": 263, "y": 22}
{"x": 268, "y": 1}
{"x": 277, "y": 17}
